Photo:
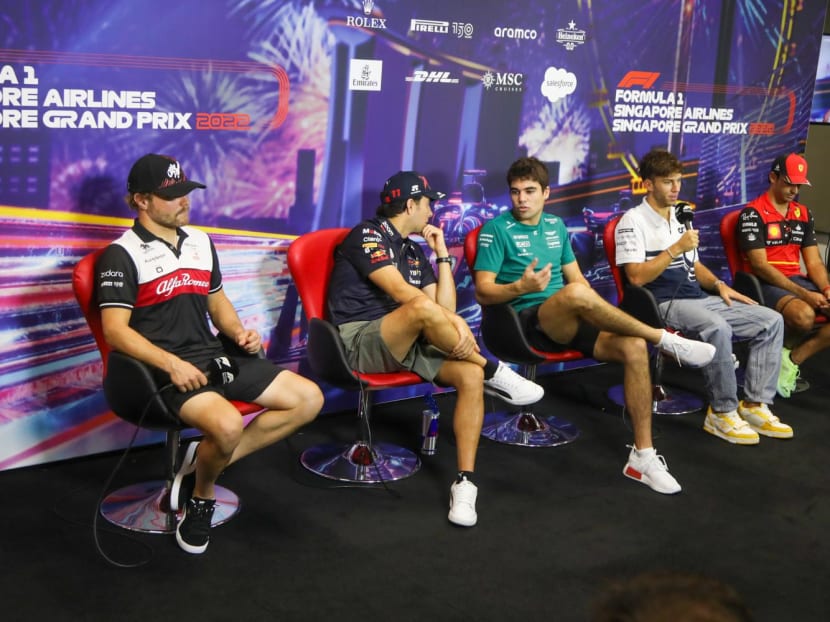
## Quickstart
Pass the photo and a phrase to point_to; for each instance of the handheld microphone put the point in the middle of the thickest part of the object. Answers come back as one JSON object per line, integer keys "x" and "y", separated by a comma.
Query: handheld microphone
{"x": 221, "y": 370}
{"x": 684, "y": 214}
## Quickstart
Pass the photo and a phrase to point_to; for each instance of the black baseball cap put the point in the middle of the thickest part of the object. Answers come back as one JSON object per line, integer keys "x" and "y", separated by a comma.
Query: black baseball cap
{"x": 405, "y": 184}
{"x": 160, "y": 175}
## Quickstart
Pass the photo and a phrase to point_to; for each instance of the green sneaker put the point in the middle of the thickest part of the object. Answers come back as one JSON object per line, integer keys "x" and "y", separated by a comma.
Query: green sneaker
{"x": 788, "y": 376}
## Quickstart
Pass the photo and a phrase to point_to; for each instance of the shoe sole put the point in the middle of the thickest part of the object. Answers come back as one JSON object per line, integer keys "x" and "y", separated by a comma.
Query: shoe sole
{"x": 187, "y": 467}
{"x": 512, "y": 402}
{"x": 731, "y": 439}
{"x": 189, "y": 548}
{"x": 772, "y": 433}
{"x": 462, "y": 522}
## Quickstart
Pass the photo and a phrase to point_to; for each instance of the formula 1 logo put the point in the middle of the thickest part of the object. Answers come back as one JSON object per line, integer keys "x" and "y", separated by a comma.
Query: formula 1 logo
{"x": 643, "y": 79}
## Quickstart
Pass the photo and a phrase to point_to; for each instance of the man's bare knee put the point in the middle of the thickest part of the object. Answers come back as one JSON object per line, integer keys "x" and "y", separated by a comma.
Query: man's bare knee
{"x": 423, "y": 311}
{"x": 802, "y": 318}
{"x": 579, "y": 297}
{"x": 634, "y": 350}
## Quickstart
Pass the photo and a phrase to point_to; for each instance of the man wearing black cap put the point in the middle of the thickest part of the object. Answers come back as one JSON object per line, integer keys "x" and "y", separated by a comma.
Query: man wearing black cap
{"x": 776, "y": 233}
{"x": 393, "y": 312}
{"x": 157, "y": 284}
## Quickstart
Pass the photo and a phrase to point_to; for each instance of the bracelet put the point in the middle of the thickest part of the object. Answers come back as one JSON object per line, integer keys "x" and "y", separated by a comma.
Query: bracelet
{"x": 447, "y": 259}
{"x": 716, "y": 283}
{"x": 670, "y": 255}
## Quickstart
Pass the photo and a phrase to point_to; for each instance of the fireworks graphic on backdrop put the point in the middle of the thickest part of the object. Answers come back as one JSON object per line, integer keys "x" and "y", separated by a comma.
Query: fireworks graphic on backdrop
{"x": 214, "y": 155}
{"x": 298, "y": 40}
{"x": 560, "y": 133}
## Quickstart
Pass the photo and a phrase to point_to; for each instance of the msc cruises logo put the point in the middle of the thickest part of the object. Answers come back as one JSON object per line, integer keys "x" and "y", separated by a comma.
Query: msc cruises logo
{"x": 503, "y": 82}
{"x": 570, "y": 37}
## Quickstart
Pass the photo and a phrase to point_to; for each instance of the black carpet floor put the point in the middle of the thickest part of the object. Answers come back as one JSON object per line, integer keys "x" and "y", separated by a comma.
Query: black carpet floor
{"x": 555, "y": 525}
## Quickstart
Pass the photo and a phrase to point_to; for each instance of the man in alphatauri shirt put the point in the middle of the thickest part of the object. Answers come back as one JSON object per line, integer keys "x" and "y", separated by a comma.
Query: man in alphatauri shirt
{"x": 659, "y": 253}
{"x": 775, "y": 233}
{"x": 393, "y": 313}
{"x": 156, "y": 286}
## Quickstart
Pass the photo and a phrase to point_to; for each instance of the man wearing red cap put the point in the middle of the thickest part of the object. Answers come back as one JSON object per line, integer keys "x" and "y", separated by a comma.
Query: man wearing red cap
{"x": 157, "y": 284}
{"x": 776, "y": 233}
{"x": 393, "y": 312}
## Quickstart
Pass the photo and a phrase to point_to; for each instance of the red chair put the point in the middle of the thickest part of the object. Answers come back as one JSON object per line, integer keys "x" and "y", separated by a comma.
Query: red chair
{"x": 310, "y": 261}
{"x": 502, "y": 333}
{"x": 133, "y": 395}
{"x": 640, "y": 302}
{"x": 742, "y": 278}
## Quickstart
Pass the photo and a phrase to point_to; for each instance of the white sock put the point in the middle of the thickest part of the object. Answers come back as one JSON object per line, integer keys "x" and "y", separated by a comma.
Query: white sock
{"x": 644, "y": 453}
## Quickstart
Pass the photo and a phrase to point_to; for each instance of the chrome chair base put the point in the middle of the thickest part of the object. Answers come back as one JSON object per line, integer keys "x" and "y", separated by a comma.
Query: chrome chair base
{"x": 145, "y": 507}
{"x": 360, "y": 463}
{"x": 668, "y": 401}
{"x": 526, "y": 429}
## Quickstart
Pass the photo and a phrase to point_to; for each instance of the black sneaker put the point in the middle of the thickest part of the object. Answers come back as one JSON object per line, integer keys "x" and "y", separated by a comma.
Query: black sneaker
{"x": 193, "y": 532}
{"x": 185, "y": 480}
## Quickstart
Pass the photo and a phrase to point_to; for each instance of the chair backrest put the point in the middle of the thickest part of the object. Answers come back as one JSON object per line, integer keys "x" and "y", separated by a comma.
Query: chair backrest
{"x": 128, "y": 384}
{"x": 471, "y": 248}
{"x": 500, "y": 326}
{"x": 734, "y": 257}
{"x": 83, "y": 285}
{"x": 636, "y": 300}
{"x": 609, "y": 240}
{"x": 310, "y": 261}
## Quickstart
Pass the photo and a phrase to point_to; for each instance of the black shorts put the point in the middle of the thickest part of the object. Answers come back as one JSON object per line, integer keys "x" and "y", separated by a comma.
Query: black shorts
{"x": 255, "y": 374}
{"x": 584, "y": 340}
{"x": 773, "y": 294}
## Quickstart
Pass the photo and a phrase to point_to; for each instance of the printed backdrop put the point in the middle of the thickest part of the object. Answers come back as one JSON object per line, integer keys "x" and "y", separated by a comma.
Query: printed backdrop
{"x": 294, "y": 113}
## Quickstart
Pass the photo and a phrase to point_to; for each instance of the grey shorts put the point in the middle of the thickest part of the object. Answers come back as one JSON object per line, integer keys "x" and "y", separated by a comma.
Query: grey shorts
{"x": 368, "y": 352}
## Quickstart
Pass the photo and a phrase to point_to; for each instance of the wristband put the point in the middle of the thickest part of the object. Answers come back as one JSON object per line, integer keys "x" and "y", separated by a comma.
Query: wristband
{"x": 670, "y": 255}
{"x": 447, "y": 259}
{"x": 716, "y": 283}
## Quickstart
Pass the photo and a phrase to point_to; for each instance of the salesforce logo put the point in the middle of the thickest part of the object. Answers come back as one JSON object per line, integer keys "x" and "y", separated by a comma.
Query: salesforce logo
{"x": 514, "y": 33}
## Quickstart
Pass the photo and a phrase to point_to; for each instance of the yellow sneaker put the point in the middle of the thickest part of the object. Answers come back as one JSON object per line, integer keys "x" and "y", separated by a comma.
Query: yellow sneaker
{"x": 730, "y": 427}
{"x": 761, "y": 419}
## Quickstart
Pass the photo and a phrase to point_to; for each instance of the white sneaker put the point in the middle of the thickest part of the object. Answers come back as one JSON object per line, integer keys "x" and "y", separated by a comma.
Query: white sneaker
{"x": 512, "y": 388}
{"x": 463, "y": 503}
{"x": 687, "y": 352}
{"x": 650, "y": 468}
